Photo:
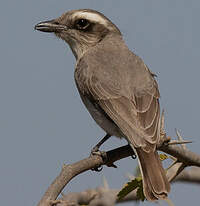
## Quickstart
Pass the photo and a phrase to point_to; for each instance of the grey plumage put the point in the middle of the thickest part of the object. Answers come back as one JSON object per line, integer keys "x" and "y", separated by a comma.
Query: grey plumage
{"x": 117, "y": 88}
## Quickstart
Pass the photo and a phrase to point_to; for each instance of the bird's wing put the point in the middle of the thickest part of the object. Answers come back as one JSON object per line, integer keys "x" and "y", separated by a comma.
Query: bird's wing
{"x": 135, "y": 110}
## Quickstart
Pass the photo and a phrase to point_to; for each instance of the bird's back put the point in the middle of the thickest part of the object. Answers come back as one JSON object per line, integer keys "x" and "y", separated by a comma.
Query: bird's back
{"x": 113, "y": 63}
{"x": 110, "y": 71}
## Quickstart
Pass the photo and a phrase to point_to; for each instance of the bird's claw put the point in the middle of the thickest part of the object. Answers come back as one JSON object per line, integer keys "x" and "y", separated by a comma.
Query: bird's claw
{"x": 133, "y": 156}
{"x": 99, "y": 153}
{"x": 102, "y": 154}
{"x": 97, "y": 169}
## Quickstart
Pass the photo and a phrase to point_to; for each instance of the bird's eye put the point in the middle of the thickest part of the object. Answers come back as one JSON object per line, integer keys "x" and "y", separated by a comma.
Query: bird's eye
{"x": 82, "y": 24}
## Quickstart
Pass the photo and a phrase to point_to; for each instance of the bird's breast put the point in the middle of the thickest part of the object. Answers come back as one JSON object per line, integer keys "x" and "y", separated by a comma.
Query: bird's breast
{"x": 100, "y": 117}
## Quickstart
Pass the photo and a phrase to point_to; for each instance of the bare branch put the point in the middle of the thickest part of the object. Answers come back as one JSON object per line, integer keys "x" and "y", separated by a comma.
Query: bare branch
{"x": 185, "y": 156}
{"x": 69, "y": 171}
{"x": 190, "y": 176}
{"x": 101, "y": 194}
{"x": 175, "y": 169}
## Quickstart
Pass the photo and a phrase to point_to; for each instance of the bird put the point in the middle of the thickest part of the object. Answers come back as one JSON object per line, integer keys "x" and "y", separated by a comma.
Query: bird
{"x": 118, "y": 89}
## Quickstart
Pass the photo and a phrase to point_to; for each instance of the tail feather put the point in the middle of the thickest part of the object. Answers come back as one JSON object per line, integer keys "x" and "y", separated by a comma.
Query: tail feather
{"x": 155, "y": 183}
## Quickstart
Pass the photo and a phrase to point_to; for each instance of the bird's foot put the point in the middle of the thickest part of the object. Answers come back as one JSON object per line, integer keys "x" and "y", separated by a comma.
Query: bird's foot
{"x": 102, "y": 154}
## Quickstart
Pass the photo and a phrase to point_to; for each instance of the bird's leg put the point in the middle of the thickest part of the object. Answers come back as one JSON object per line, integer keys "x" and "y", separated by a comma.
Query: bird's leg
{"x": 95, "y": 149}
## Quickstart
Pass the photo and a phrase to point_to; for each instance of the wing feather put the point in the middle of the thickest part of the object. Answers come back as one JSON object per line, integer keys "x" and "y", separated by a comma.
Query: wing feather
{"x": 134, "y": 109}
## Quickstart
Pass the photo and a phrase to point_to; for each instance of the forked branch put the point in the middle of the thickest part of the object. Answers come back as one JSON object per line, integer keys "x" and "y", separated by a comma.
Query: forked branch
{"x": 186, "y": 157}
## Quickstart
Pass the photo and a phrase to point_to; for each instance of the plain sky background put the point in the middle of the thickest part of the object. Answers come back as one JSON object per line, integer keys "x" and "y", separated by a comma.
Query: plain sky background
{"x": 43, "y": 123}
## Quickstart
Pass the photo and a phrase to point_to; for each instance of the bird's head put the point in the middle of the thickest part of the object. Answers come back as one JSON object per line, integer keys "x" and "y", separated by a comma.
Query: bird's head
{"x": 81, "y": 29}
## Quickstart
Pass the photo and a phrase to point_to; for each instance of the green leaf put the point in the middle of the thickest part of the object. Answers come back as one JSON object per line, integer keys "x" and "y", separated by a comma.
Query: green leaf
{"x": 130, "y": 186}
{"x": 163, "y": 156}
{"x": 136, "y": 184}
{"x": 140, "y": 193}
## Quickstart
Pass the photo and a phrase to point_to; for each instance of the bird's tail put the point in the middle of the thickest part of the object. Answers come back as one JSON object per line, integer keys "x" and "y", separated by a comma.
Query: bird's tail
{"x": 155, "y": 183}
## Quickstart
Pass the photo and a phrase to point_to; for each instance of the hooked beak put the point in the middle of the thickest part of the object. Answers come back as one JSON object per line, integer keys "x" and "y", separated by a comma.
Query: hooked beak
{"x": 50, "y": 26}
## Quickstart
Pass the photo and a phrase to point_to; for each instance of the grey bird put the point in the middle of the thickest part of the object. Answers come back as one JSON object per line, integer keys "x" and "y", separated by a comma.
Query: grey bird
{"x": 117, "y": 88}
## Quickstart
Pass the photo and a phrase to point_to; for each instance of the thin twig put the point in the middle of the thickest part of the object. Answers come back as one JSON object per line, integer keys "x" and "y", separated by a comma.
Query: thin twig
{"x": 175, "y": 142}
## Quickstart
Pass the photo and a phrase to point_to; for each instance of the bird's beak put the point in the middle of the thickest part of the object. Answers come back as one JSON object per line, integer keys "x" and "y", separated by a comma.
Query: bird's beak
{"x": 50, "y": 26}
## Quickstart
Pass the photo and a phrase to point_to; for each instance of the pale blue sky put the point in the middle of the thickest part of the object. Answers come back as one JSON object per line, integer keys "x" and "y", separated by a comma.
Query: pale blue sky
{"x": 43, "y": 122}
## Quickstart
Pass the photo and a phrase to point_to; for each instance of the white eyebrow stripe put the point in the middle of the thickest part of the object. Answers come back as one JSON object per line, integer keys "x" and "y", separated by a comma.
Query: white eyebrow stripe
{"x": 91, "y": 16}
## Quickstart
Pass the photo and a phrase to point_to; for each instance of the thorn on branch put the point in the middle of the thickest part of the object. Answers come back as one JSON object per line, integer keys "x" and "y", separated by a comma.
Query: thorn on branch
{"x": 180, "y": 138}
{"x": 174, "y": 142}
{"x": 105, "y": 183}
